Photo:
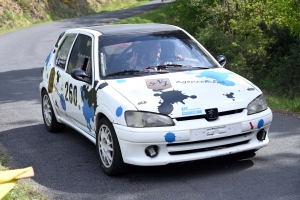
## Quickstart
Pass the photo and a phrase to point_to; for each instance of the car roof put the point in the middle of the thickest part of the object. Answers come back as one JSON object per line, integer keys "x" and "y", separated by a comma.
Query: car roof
{"x": 132, "y": 28}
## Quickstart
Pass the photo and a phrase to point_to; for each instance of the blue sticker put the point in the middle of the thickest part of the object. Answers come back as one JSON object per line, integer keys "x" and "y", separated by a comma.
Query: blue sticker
{"x": 63, "y": 102}
{"x": 187, "y": 112}
{"x": 189, "y": 72}
{"x": 119, "y": 111}
{"x": 88, "y": 113}
{"x": 260, "y": 123}
{"x": 170, "y": 137}
{"x": 121, "y": 81}
{"x": 218, "y": 77}
{"x": 47, "y": 59}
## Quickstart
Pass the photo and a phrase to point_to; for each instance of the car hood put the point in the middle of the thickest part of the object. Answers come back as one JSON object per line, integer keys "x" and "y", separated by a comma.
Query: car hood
{"x": 187, "y": 93}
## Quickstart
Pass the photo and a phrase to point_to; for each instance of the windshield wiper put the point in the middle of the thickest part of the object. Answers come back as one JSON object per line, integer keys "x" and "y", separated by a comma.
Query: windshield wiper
{"x": 125, "y": 72}
{"x": 163, "y": 68}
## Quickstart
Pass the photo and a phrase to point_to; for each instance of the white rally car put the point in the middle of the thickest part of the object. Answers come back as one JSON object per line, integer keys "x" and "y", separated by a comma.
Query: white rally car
{"x": 150, "y": 94}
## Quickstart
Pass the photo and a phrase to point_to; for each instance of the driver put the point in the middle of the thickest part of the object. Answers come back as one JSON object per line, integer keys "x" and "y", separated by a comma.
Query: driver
{"x": 140, "y": 60}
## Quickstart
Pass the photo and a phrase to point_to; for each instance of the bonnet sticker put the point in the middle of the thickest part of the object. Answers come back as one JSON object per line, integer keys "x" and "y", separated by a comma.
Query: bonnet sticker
{"x": 230, "y": 96}
{"x": 158, "y": 84}
{"x": 142, "y": 102}
{"x": 188, "y": 111}
{"x": 169, "y": 99}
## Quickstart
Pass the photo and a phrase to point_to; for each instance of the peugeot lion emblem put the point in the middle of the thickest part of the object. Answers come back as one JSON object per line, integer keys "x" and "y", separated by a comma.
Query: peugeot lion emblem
{"x": 211, "y": 114}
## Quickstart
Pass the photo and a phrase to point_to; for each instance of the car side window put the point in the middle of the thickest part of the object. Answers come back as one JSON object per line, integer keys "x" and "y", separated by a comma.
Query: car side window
{"x": 80, "y": 57}
{"x": 63, "y": 51}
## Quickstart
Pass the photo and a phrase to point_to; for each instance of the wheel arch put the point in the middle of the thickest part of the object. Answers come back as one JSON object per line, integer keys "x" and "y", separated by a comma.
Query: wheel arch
{"x": 42, "y": 90}
{"x": 103, "y": 111}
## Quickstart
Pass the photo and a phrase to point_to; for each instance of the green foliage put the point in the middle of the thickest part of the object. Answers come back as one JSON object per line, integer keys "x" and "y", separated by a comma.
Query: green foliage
{"x": 22, "y": 13}
{"x": 258, "y": 37}
{"x": 7, "y": 15}
{"x": 284, "y": 13}
{"x": 282, "y": 61}
{"x": 25, "y": 4}
{"x": 283, "y": 104}
{"x": 23, "y": 191}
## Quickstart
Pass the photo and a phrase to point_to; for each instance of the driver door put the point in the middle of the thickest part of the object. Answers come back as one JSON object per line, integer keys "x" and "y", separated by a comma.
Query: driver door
{"x": 80, "y": 94}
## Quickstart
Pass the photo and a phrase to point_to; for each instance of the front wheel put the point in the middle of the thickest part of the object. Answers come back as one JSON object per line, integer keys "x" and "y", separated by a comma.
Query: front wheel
{"x": 48, "y": 115}
{"x": 108, "y": 149}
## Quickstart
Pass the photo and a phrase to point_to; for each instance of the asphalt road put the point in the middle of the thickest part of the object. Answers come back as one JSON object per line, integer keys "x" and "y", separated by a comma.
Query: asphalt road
{"x": 66, "y": 164}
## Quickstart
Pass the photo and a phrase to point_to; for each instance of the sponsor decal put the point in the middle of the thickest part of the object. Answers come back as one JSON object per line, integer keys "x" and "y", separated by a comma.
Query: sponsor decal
{"x": 142, "y": 102}
{"x": 187, "y": 112}
{"x": 158, "y": 84}
{"x": 219, "y": 77}
{"x": 169, "y": 98}
{"x": 205, "y": 81}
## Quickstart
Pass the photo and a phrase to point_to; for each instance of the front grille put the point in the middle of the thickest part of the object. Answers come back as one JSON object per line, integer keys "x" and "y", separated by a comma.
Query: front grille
{"x": 208, "y": 149}
{"x": 230, "y": 112}
{"x": 209, "y": 140}
{"x": 209, "y": 144}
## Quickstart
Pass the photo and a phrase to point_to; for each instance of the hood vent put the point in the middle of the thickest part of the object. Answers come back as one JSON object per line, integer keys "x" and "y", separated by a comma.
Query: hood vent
{"x": 230, "y": 112}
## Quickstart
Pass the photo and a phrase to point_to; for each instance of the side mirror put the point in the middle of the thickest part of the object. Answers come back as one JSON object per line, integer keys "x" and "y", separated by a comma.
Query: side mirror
{"x": 221, "y": 60}
{"x": 80, "y": 75}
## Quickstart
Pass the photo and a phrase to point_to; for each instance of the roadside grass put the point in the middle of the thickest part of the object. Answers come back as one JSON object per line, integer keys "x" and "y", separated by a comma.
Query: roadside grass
{"x": 22, "y": 190}
{"x": 164, "y": 16}
{"x": 24, "y": 20}
{"x": 283, "y": 104}
{"x": 161, "y": 15}
{"x": 121, "y": 5}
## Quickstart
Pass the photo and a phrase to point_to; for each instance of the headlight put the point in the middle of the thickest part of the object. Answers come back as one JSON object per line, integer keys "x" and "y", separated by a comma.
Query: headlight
{"x": 257, "y": 105}
{"x": 144, "y": 119}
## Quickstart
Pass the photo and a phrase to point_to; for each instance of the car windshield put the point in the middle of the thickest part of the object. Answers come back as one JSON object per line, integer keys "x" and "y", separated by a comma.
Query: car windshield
{"x": 140, "y": 54}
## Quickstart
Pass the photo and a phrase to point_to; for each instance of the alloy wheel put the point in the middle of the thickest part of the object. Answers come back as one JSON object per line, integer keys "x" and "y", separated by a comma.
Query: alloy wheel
{"x": 105, "y": 145}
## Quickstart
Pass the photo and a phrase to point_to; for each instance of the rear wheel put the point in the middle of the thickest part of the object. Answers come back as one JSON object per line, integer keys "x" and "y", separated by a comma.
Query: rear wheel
{"x": 48, "y": 115}
{"x": 108, "y": 149}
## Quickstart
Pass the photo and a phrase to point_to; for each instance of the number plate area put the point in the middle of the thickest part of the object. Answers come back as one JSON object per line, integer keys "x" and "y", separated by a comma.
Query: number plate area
{"x": 215, "y": 132}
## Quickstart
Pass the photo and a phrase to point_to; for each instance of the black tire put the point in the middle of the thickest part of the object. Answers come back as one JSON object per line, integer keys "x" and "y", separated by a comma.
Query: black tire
{"x": 50, "y": 121}
{"x": 108, "y": 149}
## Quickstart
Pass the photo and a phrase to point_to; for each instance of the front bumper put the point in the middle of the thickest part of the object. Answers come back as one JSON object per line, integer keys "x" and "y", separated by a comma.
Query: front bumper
{"x": 194, "y": 139}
